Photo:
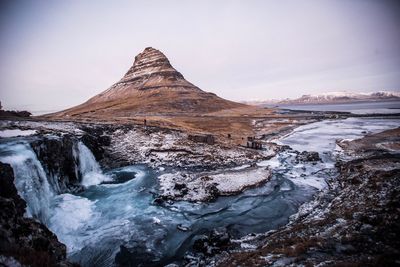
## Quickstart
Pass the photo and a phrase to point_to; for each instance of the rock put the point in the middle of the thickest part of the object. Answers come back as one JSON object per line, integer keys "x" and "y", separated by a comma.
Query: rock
{"x": 96, "y": 141}
{"x": 212, "y": 243}
{"x": 14, "y": 114}
{"x": 58, "y": 161}
{"x": 8, "y": 190}
{"x": 138, "y": 255}
{"x": 212, "y": 192}
{"x": 307, "y": 156}
{"x": 158, "y": 201}
{"x": 179, "y": 186}
{"x": 24, "y": 240}
{"x": 182, "y": 228}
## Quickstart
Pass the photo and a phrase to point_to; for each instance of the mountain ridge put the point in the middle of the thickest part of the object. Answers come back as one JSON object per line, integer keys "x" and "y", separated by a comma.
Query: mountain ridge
{"x": 332, "y": 98}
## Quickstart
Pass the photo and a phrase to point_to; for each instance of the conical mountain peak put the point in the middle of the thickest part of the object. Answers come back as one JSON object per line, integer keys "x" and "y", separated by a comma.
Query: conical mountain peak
{"x": 151, "y": 86}
{"x": 148, "y": 62}
{"x": 150, "y": 70}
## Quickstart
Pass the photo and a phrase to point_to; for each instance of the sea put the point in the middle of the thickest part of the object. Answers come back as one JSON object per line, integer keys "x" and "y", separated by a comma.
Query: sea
{"x": 377, "y": 107}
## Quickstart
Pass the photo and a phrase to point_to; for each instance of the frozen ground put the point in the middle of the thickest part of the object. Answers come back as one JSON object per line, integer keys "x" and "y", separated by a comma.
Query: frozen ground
{"x": 172, "y": 148}
{"x": 16, "y": 132}
{"x": 208, "y": 186}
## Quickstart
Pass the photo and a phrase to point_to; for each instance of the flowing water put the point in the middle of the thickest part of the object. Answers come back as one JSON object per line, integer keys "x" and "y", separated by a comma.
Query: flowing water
{"x": 117, "y": 206}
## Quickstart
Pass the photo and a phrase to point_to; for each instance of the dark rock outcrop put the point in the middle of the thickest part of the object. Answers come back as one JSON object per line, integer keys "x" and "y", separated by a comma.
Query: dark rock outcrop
{"x": 214, "y": 242}
{"x": 308, "y": 156}
{"x": 14, "y": 114}
{"x": 136, "y": 256}
{"x": 24, "y": 239}
{"x": 96, "y": 140}
{"x": 57, "y": 158}
{"x": 56, "y": 154}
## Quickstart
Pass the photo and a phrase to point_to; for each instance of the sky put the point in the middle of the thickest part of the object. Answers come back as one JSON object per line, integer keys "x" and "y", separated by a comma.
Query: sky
{"x": 57, "y": 54}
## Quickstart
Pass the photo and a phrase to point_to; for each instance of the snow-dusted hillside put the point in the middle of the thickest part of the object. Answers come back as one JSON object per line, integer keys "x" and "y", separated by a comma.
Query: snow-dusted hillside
{"x": 334, "y": 97}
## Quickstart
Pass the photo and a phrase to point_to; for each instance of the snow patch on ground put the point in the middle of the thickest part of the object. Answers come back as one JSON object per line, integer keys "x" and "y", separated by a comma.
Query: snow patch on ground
{"x": 173, "y": 148}
{"x": 206, "y": 186}
{"x": 16, "y": 132}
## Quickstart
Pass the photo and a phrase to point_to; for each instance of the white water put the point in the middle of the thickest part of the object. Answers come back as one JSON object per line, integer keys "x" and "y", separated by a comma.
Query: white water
{"x": 33, "y": 185}
{"x": 88, "y": 168}
{"x": 30, "y": 178}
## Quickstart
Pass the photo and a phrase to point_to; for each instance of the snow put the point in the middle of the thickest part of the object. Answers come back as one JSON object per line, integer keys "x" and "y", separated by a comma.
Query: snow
{"x": 16, "y": 132}
{"x": 172, "y": 148}
{"x": 228, "y": 182}
{"x": 235, "y": 182}
{"x": 272, "y": 163}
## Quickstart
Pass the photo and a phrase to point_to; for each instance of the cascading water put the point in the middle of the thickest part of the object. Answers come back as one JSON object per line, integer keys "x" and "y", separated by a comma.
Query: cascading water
{"x": 88, "y": 169}
{"x": 30, "y": 178}
{"x": 32, "y": 182}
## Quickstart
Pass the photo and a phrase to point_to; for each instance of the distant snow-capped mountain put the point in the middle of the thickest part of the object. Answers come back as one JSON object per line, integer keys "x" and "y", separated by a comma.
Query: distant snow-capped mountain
{"x": 333, "y": 97}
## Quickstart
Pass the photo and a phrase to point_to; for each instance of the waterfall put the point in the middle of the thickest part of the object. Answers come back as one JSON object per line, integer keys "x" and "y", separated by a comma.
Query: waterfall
{"x": 30, "y": 178}
{"x": 32, "y": 182}
{"x": 88, "y": 169}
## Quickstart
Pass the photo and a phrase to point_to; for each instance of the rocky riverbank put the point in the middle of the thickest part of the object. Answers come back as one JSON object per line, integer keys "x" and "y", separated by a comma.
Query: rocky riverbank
{"x": 354, "y": 222}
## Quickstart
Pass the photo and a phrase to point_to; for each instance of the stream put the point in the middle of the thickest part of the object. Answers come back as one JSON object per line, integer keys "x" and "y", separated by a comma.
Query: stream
{"x": 117, "y": 208}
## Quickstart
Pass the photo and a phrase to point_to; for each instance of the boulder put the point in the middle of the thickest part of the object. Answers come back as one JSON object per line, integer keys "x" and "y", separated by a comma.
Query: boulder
{"x": 308, "y": 156}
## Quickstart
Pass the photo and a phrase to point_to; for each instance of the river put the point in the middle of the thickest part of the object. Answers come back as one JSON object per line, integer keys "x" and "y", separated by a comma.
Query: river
{"x": 117, "y": 207}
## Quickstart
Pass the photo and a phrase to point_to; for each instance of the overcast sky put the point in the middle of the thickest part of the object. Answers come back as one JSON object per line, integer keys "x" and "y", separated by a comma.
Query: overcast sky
{"x": 56, "y": 54}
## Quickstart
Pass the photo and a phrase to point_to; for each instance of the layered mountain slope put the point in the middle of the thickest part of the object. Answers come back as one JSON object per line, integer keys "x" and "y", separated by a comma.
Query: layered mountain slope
{"x": 151, "y": 86}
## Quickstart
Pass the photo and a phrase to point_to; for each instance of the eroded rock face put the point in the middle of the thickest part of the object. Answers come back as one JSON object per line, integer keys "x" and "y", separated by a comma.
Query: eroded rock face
{"x": 150, "y": 67}
{"x": 59, "y": 158}
{"x": 24, "y": 239}
{"x": 56, "y": 157}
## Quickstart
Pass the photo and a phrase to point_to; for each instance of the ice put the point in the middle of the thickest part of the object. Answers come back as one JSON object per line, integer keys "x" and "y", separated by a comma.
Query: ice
{"x": 238, "y": 168}
{"x": 272, "y": 163}
{"x": 16, "y": 132}
{"x": 322, "y": 136}
{"x": 318, "y": 183}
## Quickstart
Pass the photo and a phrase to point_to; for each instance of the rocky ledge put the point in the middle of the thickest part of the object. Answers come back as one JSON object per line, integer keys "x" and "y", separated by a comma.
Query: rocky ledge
{"x": 24, "y": 241}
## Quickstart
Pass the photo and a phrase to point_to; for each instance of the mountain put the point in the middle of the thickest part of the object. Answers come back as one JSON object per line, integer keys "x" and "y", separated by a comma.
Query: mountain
{"x": 151, "y": 86}
{"x": 331, "y": 98}
{"x": 343, "y": 97}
